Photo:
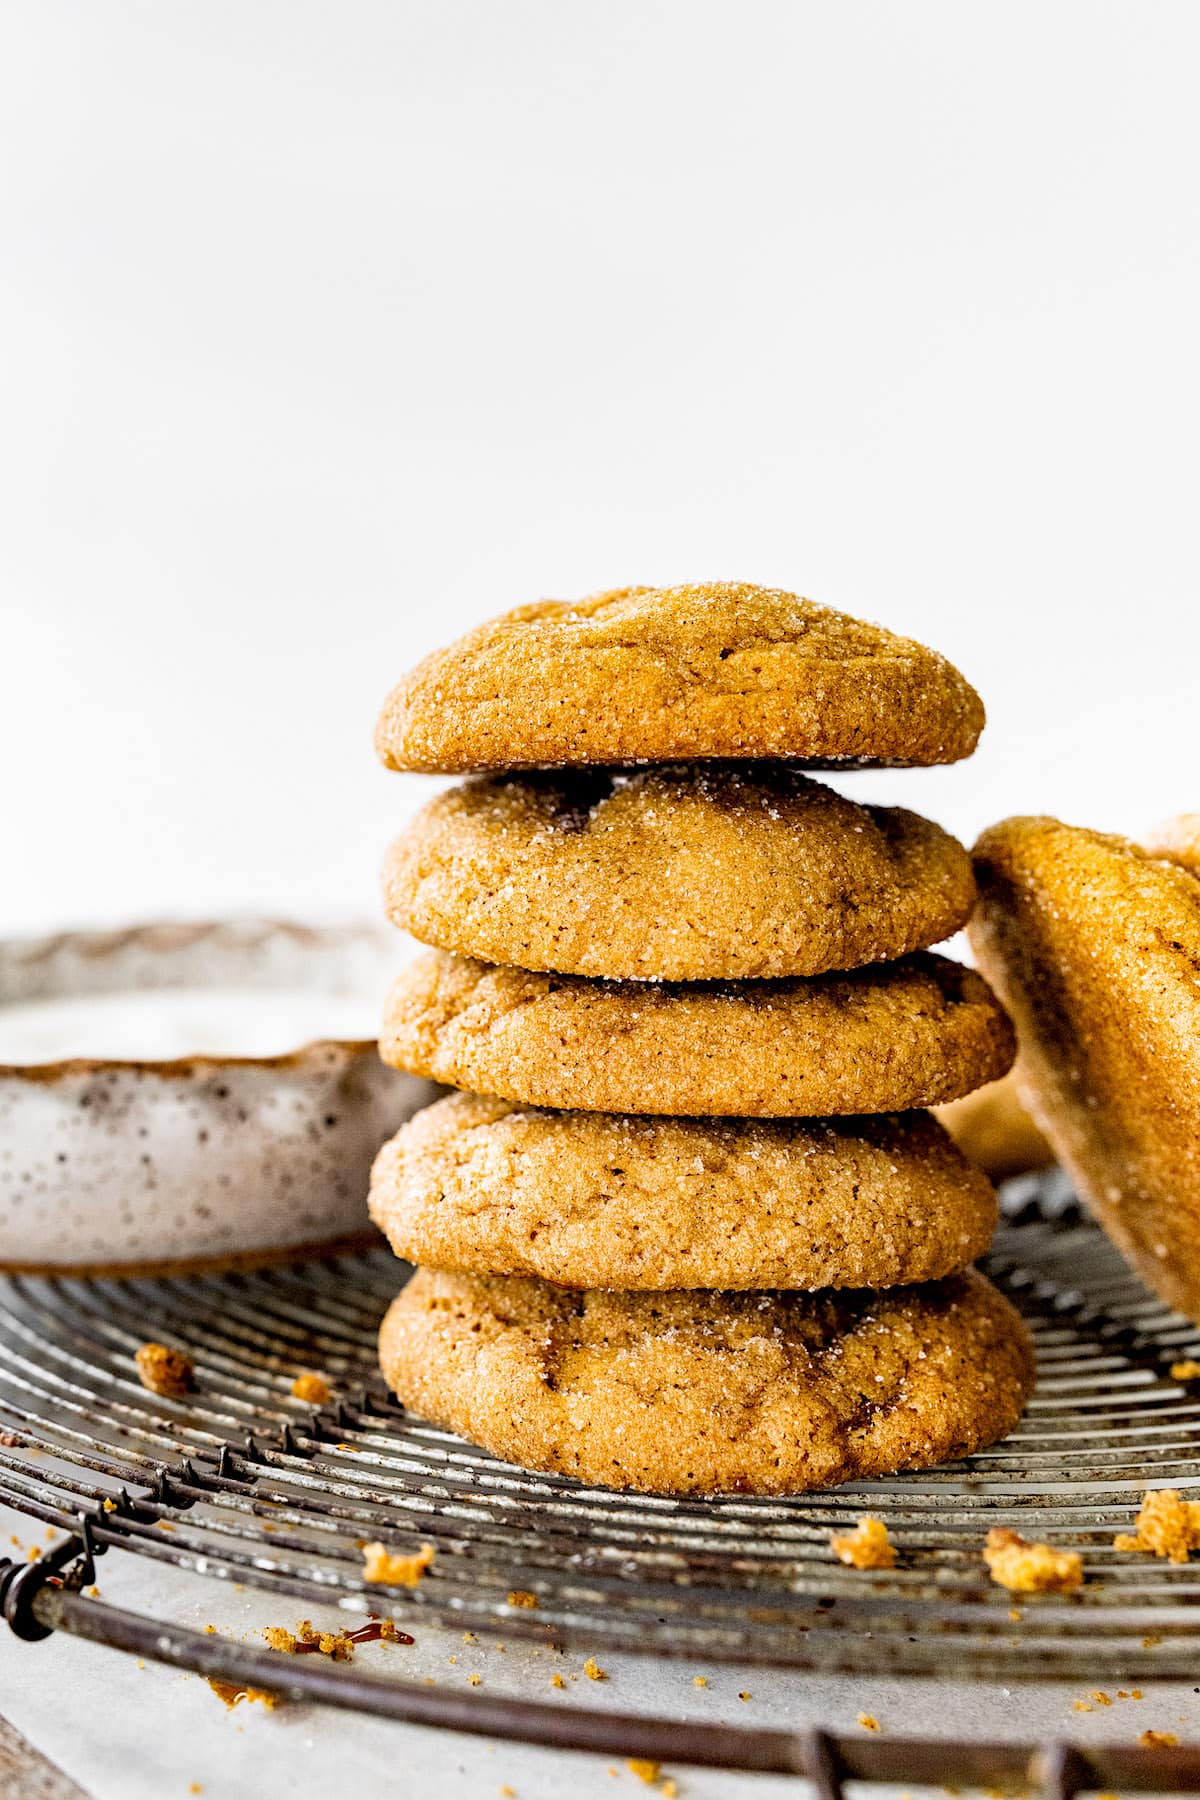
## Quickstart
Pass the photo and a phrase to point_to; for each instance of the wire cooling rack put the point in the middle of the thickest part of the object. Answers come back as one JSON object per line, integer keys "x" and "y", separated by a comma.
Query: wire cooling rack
{"x": 242, "y": 1482}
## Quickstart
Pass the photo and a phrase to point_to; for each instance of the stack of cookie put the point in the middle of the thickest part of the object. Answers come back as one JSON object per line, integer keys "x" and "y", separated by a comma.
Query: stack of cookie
{"x": 684, "y": 1230}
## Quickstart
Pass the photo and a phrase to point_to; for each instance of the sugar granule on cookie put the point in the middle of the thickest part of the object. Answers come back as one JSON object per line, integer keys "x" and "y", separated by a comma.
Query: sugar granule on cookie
{"x": 866, "y": 1547}
{"x": 165, "y": 1371}
{"x": 1030, "y": 1568}
{"x": 1166, "y": 1525}
{"x": 393, "y": 1569}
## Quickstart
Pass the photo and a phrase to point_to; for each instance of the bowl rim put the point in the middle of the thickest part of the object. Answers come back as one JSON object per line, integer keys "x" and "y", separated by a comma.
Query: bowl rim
{"x": 179, "y": 936}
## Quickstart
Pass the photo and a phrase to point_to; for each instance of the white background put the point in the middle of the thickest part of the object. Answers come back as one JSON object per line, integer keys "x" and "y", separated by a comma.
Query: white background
{"x": 331, "y": 329}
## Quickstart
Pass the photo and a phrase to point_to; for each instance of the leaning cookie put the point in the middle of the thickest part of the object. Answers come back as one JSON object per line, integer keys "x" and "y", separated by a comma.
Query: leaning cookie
{"x": 1095, "y": 946}
{"x": 885, "y": 1039}
{"x": 694, "y": 873}
{"x": 710, "y": 1393}
{"x": 614, "y": 1201}
{"x": 643, "y": 674}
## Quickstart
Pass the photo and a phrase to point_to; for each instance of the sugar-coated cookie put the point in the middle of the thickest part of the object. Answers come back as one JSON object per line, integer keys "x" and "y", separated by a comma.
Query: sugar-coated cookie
{"x": 708, "y": 1393}
{"x": 645, "y": 674}
{"x": 617, "y": 1201}
{"x": 685, "y": 873}
{"x": 885, "y": 1039}
{"x": 1095, "y": 946}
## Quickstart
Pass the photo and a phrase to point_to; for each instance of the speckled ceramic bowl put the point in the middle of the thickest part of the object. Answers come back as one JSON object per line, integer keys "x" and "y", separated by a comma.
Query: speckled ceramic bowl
{"x": 196, "y": 1159}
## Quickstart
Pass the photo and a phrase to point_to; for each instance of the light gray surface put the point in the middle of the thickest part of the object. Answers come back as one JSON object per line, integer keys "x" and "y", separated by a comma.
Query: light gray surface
{"x": 130, "y": 1733}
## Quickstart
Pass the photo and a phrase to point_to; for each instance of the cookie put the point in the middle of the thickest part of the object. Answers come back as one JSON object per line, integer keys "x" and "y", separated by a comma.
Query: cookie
{"x": 694, "y": 873}
{"x": 666, "y": 674}
{"x": 994, "y": 1129}
{"x": 1095, "y": 946}
{"x": 707, "y": 1393}
{"x": 1177, "y": 839}
{"x": 885, "y": 1039}
{"x": 613, "y": 1200}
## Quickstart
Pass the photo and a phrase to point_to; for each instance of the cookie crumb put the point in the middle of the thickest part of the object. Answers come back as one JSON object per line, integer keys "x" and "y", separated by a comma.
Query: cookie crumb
{"x": 643, "y": 1768}
{"x": 474, "y": 1680}
{"x": 506, "y": 1792}
{"x": 593, "y": 1671}
{"x": 556, "y": 1680}
{"x": 869, "y": 1722}
{"x": 165, "y": 1371}
{"x": 1101, "y": 1698}
{"x": 233, "y": 1695}
{"x": 1158, "y": 1740}
{"x": 383, "y": 1565}
{"x": 1028, "y": 1568}
{"x": 1082, "y": 1706}
{"x": 521, "y": 1597}
{"x": 866, "y": 1547}
{"x": 311, "y": 1387}
{"x": 109, "y": 1505}
{"x": 1014, "y": 1613}
{"x": 1165, "y": 1526}
{"x": 1185, "y": 1371}
{"x": 699, "y": 1680}
{"x": 745, "y": 1696}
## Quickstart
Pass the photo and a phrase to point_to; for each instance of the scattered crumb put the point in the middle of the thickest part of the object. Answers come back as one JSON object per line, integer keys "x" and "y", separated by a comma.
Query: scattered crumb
{"x": 556, "y": 1680}
{"x": 1158, "y": 1740}
{"x": 51, "y": 1534}
{"x": 93, "y": 1593}
{"x": 1107, "y": 1796}
{"x": 866, "y": 1547}
{"x": 474, "y": 1680}
{"x": 699, "y": 1680}
{"x": 165, "y": 1371}
{"x": 869, "y": 1722}
{"x": 309, "y": 1640}
{"x": 1083, "y": 1706}
{"x": 668, "y": 1788}
{"x": 643, "y": 1768}
{"x": 506, "y": 1792}
{"x": 519, "y": 1597}
{"x": 164, "y": 1524}
{"x": 469, "y": 1637}
{"x": 1101, "y": 1698}
{"x": 194, "y": 1787}
{"x": 33, "y": 1551}
{"x": 593, "y": 1671}
{"x": 232, "y": 1694}
{"x": 311, "y": 1387}
{"x": 381, "y": 1564}
{"x": 1185, "y": 1371}
{"x": 1148, "y": 1643}
{"x": 745, "y": 1696}
{"x": 1028, "y": 1568}
{"x": 1165, "y": 1526}
{"x": 1014, "y": 1613}
{"x": 211, "y": 1630}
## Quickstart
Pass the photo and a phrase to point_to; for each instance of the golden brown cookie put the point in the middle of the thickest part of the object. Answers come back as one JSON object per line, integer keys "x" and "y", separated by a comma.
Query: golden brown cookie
{"x": 1095, "y": 946}
{"x": 670, "y": 674}
{"x": 614, "y": 1200}
{"x": 1177, "y": 839}
{"x": 884, "y": 1039}
{"x": 694, "y": 873}
{"x": 993, "y": 1128}
{"x": 708, "y": 1393}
